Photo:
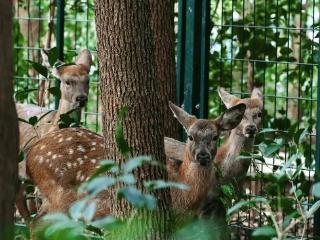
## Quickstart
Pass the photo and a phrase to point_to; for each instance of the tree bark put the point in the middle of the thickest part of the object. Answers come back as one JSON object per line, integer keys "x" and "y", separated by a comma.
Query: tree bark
{"x": 9, "y": 144}
{"x": 136, "y": 63}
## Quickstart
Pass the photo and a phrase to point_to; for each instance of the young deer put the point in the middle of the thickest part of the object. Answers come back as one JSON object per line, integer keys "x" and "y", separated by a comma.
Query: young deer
{"x": 61, "y": 161}
{"x": 196, "y": 167}
{"x": 232, "y": 168}
{"x": 74, "y": 95}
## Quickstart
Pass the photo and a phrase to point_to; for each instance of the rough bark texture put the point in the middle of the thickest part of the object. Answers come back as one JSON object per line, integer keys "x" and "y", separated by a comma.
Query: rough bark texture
{"x": 136, "y": 57}
{"x": 9, "y": 144}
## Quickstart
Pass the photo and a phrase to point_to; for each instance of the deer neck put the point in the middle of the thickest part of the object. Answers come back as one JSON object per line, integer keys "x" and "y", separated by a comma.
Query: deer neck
{"x": 197, "y": 178}
{"x": 227, "y": 156}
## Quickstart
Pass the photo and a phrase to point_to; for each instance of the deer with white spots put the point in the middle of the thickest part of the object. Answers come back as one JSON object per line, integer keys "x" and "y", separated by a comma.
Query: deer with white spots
{"x": 59, "y": 167}
{"x": 74, "y": 89}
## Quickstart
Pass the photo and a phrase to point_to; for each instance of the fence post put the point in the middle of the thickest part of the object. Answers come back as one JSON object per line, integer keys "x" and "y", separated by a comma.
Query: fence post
{"x": 317, "y": 175}
{"x": 192, "y": 59}
{"x": 59, "y": 38}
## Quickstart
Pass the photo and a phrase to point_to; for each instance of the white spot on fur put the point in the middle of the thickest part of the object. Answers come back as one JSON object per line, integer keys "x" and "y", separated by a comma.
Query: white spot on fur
{"x": 56, "y": 170}
{"x": 82, "y": 178}
{"x": 80, "y": 148}
{"x": 49, "y": 153}
{"x": 69, "y": 164}
{"x": 41, "y": 159}
{"x": 69, "y": 139}
{"x": 59, "y": 135}
{"x": 93, "y": 161}
{"x": 71, "y": 151}
{"x": 74, "y": 165}
{"x": 42, "y": 147}
{"x": 48, "y": 160}
{"x": 50, "y": 165}
{"x": 101, "y": 145}
{"x": 93, "y": 149}
{"x": 93, "y": 143}
{"x": 60, "y": 140}
{"x": 85, "y": 157}
{"x": 54, "y": 156}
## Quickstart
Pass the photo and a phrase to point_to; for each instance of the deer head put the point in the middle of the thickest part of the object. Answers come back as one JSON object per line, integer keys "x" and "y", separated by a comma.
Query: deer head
{"x": 251, "y": 121}
{"x": 201, "y": 146}
{"x": 74, "y": 78}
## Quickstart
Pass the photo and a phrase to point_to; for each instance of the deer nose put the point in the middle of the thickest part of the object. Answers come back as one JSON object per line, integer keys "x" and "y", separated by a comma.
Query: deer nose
{"x": 82, "y": 99}
{"x": 251, "y": 129}
{"x": 203, "y": 158}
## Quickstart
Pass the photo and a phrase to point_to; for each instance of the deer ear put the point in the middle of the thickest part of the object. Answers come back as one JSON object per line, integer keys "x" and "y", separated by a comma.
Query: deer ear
{"x": 45, "y": 58}
{"x": 56, "y": 70}
{"x": 231, "y": 117}
{"x": 185, "y": 119}
{"x": 84, "y": 59}
{"x": 227, "y": 98}
{"x": 257, "y": 93}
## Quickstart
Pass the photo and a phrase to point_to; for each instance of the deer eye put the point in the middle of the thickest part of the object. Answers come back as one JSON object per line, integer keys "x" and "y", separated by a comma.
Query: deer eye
{"x": 190, "y": 137}
{"x": 259, "y": 114}
{"x": 68, "y": 83}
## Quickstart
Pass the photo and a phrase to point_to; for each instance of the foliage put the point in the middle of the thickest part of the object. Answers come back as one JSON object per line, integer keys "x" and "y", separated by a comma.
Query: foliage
{"x": 282, "y": 212}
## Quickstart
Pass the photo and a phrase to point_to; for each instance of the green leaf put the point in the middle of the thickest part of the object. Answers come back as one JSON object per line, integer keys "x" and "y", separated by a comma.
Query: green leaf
{"x": 137, "y": 198}
{"x": 268, "y": 149}
{"x": 23, "y": 94}
{"x": 133, "y": 163}
{"x": 105, "y": 166}
{"x": 104, "y": 222}
{"x": 159, "y": 184}
{"x": 267, "y": 231}
{"x": 127, "y": 178}
{"x": 76, "y": 209}
{"x": 33, "y": 120}
{"x": 313, "y": 209}
{"x": 55, "y": 91}
{"x": 97, "y": 185}
{"x": 89, "y": 211}
{"x": 42, "y": 70}
{"x": 21, "y": 156}
{"x": 52, "y": 56}
{"x": 122, "y": 143}
{"x": 316, "y": 190}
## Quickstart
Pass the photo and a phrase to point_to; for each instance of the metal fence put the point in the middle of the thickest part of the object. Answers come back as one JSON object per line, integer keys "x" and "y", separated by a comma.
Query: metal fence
{"x": 234, "y": 44}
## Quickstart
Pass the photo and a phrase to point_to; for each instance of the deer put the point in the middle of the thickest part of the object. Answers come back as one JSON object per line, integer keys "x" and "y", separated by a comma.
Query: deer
{"x": 74, "y": 89}
{"x": 60, "y": 161}
{"x": 231, "y": 167}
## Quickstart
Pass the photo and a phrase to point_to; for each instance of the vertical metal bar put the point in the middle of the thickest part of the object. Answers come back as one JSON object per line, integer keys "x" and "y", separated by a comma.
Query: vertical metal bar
{"x": 191, "y": 57}
{"x": 180, "y": 51}
{"x": 59, "y": 38}
{"x": 317, "y": 214}
{"x": 204, "y": 67}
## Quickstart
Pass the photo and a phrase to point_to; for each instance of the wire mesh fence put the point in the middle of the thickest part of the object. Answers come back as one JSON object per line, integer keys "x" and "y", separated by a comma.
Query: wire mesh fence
{"x": 272, "y": 43}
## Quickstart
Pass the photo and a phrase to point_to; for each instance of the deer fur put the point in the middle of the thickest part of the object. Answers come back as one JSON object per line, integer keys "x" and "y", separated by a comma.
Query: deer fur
{"x": 61, "y": 161}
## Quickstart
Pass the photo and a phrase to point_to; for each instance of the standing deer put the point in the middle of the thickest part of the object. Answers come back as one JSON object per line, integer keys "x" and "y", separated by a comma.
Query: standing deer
{"x": 74, "y": 94}
{"x": 61, "y": 161}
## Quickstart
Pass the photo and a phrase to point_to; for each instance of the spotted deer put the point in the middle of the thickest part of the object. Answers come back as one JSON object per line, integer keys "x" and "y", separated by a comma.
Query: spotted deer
{"x": 61, "y": 161}
{"x": 233, "y": 169}
{"x": 74, "y": 94}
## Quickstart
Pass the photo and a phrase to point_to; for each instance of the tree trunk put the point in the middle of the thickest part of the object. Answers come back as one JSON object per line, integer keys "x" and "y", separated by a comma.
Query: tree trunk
{"x": 9, "y": 144}
{"x": 136, "y": 63}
